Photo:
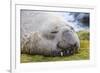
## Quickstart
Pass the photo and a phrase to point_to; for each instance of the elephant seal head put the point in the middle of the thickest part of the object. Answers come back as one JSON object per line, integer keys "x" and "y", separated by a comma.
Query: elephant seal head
{"x": 64, "y": 39}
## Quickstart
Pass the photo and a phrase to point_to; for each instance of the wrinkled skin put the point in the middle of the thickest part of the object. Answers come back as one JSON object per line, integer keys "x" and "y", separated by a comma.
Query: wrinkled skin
{"x": 55, "y": 38}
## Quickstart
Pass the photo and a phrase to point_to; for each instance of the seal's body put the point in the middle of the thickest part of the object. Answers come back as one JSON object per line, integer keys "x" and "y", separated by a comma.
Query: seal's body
{"x": 53, "y": 36}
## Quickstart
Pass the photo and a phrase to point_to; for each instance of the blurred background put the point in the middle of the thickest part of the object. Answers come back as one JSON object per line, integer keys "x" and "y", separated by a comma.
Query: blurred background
{"x": 79, "y": 20}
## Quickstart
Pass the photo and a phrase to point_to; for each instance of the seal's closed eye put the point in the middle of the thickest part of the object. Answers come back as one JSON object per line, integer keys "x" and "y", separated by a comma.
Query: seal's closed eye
{"x": 54, "y": 32}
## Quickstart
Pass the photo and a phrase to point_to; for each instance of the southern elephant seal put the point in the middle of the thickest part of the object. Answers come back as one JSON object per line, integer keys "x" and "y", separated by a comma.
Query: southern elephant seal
{"x": 47, "y": 33}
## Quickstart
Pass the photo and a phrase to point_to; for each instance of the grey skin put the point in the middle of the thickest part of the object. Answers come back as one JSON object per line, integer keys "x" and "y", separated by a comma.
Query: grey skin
{"x": 53, "y": 36}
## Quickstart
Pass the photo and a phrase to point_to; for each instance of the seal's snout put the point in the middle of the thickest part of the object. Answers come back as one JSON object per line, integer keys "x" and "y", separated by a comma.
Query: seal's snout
{"x": 69, "y": 43}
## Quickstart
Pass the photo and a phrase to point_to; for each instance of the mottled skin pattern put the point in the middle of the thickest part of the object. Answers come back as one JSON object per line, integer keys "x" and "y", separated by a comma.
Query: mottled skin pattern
{"x": 57, "y": 38}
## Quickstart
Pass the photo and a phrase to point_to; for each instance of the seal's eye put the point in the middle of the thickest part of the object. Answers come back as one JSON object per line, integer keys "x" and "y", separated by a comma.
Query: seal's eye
{"x": 72, "y": 28}
{"x": 54, "y": 32}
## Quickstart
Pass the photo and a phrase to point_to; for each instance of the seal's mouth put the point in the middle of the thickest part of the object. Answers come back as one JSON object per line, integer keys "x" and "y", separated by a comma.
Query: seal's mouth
{"x": 72, "y": 49}
{"x": 64, "y": 51}
{"x": 67, "y": 52}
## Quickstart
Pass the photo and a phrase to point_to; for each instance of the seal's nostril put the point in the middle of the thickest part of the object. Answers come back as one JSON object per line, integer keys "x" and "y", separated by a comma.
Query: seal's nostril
{"x": 58, "y": 44}
{"x": 75, "y": 44}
